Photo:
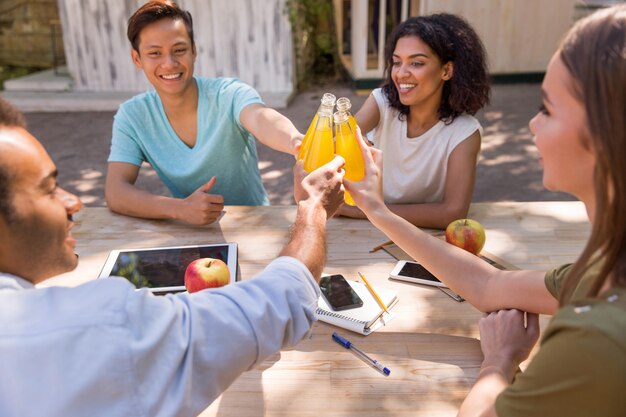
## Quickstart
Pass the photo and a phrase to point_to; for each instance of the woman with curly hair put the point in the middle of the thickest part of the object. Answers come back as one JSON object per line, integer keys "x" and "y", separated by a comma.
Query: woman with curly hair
{"x": 422, "y": 119}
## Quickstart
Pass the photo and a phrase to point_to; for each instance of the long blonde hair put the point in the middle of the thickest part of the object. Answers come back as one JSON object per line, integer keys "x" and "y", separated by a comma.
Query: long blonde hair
{"x": 594, "y": 52}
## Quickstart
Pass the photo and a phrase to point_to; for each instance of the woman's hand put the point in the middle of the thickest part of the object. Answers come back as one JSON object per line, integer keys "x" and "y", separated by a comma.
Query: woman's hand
{"x": 505, "y": 341}
{"x": 368, "y": 193}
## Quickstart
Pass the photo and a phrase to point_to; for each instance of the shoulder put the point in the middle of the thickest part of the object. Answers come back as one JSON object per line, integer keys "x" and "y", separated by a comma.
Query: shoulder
{"x": 388, "y": 114}
{"x": 604, "y": 317}
{"x": 461, "y": 128}
{"x": 137, "y": 105}
{"x": 554, "y": 279}
{"x": 380, "y": 97}
{"x": 223, "y": 85}
{"x": 465, "y": 123}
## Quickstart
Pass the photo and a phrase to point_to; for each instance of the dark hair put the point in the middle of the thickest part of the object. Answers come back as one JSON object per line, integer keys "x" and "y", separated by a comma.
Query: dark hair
{"x": 594, "y": 53}
{"x": 154, "y": 11}
{"x": 10, "y": 117}
{"x": 452, "y": 39}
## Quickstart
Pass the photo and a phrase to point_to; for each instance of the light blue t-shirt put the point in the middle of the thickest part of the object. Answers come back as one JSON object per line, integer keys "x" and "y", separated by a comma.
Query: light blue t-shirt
{"x": 105, "y": 349}
{"x": 224, "y": 148}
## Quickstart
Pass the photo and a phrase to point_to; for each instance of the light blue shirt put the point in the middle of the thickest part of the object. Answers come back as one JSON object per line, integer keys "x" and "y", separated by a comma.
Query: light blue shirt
{"x": 224, "y": 148}
{"x": 105, "y": 349}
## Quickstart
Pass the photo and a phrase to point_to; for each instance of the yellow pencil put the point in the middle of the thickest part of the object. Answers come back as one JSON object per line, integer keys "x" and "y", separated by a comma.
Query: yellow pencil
{"x": 371, "y": 290}
{"x": 379, "y": 247}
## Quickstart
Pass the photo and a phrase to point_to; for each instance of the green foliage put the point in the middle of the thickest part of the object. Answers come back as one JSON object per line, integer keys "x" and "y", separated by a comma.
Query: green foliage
{"x": 314, "y": 39}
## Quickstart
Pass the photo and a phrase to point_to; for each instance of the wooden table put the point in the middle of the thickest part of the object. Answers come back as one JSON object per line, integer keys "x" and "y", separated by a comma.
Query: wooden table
{"x": 431, "y": 346}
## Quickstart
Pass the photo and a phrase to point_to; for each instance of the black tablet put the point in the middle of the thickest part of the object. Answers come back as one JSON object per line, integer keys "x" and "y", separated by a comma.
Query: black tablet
{"x": 162, "y": 270}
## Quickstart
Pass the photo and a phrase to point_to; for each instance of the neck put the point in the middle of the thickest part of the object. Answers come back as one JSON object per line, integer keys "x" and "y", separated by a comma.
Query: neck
{"x": 424, "y": 115}
{"x": 590, "y": 206}
{"x": 420, "y": 122}
{"x": 184, "y": 102}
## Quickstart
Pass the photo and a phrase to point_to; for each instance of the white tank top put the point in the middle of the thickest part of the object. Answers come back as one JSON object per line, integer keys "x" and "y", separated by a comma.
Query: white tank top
{"x": 414, "y": 169}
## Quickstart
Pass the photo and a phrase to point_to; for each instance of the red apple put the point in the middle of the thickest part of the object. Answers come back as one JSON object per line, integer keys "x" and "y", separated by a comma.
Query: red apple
{"x": 206, "y": 273}
{"x": 467, "y": 234}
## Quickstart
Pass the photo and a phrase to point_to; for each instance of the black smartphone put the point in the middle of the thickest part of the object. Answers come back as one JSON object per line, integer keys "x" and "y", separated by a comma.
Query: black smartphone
{"x": 338, "y": 293}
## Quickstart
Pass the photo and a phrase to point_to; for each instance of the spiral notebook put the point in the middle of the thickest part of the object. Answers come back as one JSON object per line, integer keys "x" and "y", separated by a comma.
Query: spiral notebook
{"x": 364, "y": 319}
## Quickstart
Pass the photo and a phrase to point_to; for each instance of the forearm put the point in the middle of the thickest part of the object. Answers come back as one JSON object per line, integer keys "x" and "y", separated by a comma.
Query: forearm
{"x": 131, "y": 201}
{"x": 481, "y": 399}
{"x": 432, "y": 215}
{"x": 308, "y": 237}
{"x": 272, "y": 129}
{"x": 484, "y": 286}
{"x": 461, "y": 271}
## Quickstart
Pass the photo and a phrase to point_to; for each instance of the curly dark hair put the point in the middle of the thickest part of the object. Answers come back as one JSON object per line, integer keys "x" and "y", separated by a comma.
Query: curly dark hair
{"x": 154, "y": 11}
{"x": 452, "y": 39}
{"x": 10, "y": 117}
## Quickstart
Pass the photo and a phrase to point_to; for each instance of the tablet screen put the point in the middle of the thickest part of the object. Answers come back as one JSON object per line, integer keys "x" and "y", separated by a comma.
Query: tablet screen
{"x": 163, "y": 269}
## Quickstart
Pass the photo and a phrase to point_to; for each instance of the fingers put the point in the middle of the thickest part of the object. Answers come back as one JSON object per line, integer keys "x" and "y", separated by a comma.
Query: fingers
{"x": 532, "y": 324}
{"x": 337, "y": 163}
{"x": 377, "y": 156}
{"x": 205, "y": 188}
{"x": 296, "y": 148}
{"x": 298, "y": 170}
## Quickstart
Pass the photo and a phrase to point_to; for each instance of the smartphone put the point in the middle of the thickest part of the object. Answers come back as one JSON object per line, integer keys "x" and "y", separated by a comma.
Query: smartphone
{"x": 414, "y": 272}
{"x": 338, "y": 293}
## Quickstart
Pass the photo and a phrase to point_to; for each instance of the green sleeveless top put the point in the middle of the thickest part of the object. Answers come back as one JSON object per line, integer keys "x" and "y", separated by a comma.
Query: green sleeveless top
{"x": 580, "y": 369}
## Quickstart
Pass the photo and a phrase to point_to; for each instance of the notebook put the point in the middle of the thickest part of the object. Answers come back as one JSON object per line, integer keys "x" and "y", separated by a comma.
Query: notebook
{"x": 365, "y": 319}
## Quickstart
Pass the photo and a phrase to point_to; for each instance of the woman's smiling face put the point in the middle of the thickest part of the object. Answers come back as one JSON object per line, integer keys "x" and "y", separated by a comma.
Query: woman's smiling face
{"x": 417, "y": 72}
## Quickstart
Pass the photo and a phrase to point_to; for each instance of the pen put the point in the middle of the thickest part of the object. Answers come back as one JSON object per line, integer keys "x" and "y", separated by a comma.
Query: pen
{"x": 389, "y": 242}
{"x": 373, "y": 363}
{"x": 371, "y": 290}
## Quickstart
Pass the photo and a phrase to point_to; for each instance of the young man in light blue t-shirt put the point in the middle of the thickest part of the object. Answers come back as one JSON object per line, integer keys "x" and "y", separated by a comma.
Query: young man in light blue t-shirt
{"x": 197, "y": 133}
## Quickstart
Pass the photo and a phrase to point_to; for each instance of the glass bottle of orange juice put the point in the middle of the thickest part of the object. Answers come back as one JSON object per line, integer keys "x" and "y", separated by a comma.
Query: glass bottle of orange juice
{"x": 321, "y": 147}
{"x": 344, "y": 105}
{"x": 347, "y": 146}
{"x": 328, "y": 103}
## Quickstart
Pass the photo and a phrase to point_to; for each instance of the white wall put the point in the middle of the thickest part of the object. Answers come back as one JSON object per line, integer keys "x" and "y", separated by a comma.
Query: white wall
{"x": 519, "y": 35}
{"x": 248, "y": 39}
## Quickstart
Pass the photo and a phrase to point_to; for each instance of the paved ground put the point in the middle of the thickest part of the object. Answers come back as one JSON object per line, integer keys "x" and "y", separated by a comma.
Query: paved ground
{"x": 508, "y": 169}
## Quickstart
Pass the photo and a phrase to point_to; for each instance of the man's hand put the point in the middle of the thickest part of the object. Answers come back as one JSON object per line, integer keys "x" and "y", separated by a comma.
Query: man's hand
{"x": 322, "y": 186}
{"x": 368, "y": 193}
{"x": 200, "y": 207}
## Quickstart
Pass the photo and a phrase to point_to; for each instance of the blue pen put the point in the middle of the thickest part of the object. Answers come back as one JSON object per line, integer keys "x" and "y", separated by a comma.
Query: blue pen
{"x": 373, "y": 363}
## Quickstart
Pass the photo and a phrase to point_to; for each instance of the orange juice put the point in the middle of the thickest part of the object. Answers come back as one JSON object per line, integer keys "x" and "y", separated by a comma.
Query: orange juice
{"x": 348, "y": 147}
{"x": 320, "y": 149}
{"x": 327, "y": 104}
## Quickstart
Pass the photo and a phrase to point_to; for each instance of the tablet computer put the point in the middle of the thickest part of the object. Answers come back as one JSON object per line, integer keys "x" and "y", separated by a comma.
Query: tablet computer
{"x": 162, "y": 270}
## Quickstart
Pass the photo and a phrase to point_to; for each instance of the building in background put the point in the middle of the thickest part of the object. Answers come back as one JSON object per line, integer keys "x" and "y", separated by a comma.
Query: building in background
{"x": 520, "y": 36}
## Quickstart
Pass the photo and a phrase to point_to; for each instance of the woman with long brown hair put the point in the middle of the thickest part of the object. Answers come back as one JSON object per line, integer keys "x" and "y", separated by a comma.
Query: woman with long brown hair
{"x": 580, "y": 132}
